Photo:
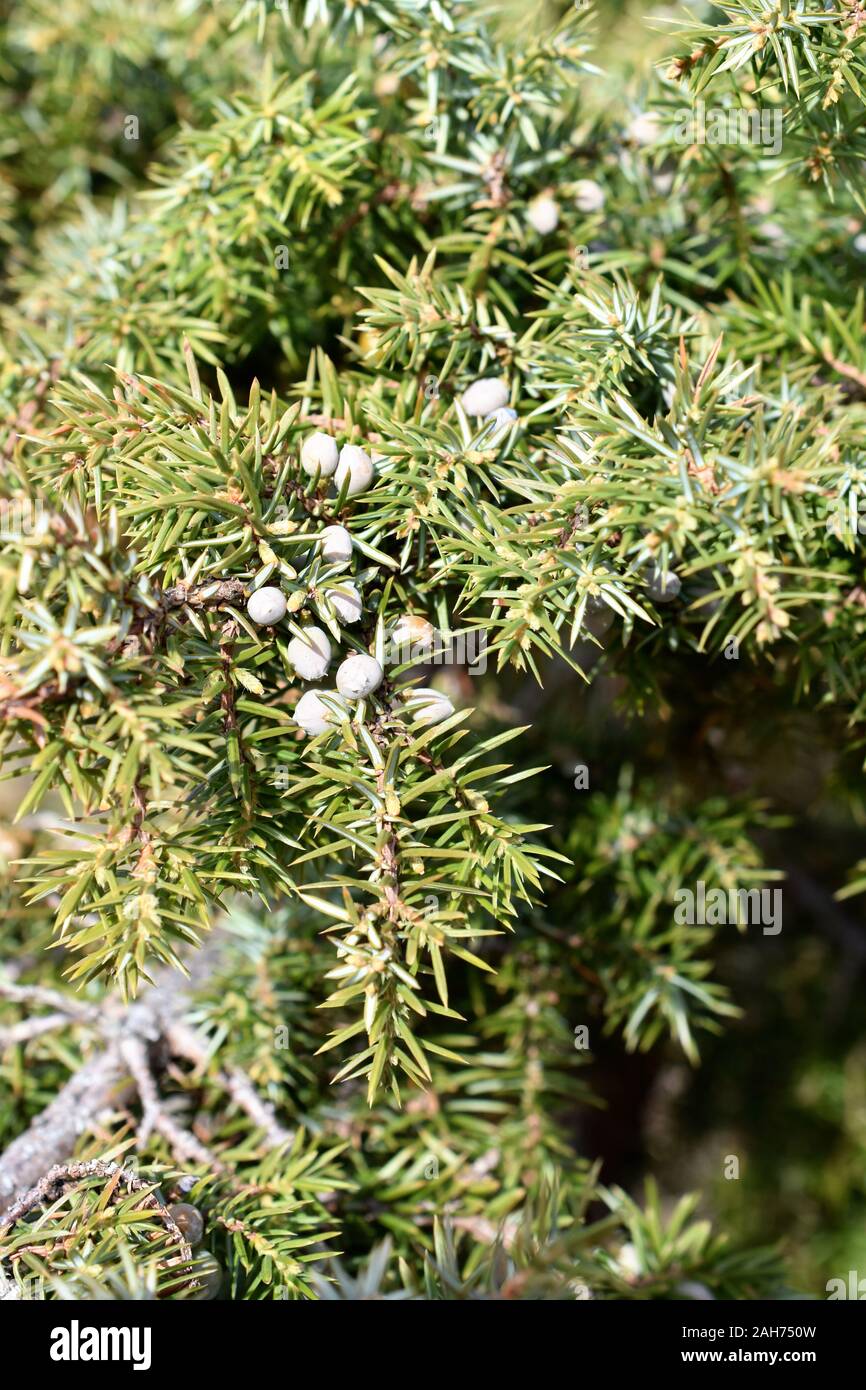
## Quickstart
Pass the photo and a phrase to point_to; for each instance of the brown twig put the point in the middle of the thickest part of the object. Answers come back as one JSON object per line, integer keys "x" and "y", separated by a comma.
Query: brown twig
{"x": 845, "y": 369}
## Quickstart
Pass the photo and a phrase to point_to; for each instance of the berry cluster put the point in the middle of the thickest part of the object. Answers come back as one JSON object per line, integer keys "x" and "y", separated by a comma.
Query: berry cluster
{"x": 310, "y": 653}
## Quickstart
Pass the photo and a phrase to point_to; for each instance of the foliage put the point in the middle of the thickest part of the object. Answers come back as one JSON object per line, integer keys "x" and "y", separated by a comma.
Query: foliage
{"x": 329, "y": 220}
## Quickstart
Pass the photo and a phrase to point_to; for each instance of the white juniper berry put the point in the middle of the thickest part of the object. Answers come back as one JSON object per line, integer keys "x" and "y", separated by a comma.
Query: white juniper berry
{"x": 644, "y": 128}
{"x": 484, "y": 396}
{"x": 319, "y": 454}
{"x": 314, "y": 714}
{"x": 358, "y": 676}
{"x": 588, "y": 196}
{"x": 543, "y": 214}
{"x": 310, "y": 655}
{"x": 346, "y": 602}
{"x": 267, "y": 606}
{"x": 411, "y": 630}
{"x": 499, "y": 422}
{"x": 336, "y": 545}
{"x": 427, "y": 705}
{"x": 356, "y": 465}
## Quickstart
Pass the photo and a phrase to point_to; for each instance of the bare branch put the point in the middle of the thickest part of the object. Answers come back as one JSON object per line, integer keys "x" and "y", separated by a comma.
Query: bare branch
{"x": 155, "y": 1118}
{"x": 31, "y": 1028}
{"x": 52, "y": 1136}
{"x": 50, "y": 998}
{"x": 186, "y": 1042}
{"x": 260, "y": 1111}
{"x": 102, "y": 1082}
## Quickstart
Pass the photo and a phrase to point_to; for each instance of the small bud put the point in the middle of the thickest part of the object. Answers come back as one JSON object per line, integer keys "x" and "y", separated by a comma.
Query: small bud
{"x": 314, "y": 716}
{"x": 310, "y": 655}
{"x": 319, "y": 454}
{"x": 356, "y": 465}
{"x": 336, "y": 545}
{"x": 346, "y": 602}
{"x": 358, "y": 676}
{"x": 267, "y": 606}
{"x": 485, "y": 396}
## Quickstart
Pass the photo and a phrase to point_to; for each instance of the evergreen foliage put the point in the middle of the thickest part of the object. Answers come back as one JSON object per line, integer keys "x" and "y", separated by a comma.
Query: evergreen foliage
{"x": 337, "y": 217}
